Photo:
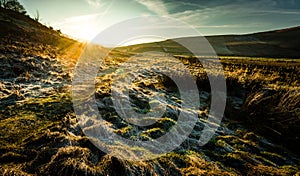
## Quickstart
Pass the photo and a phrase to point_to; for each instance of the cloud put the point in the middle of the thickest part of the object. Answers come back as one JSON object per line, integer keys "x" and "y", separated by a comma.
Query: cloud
{"x": 252, "y": 25}
{"x": 156, "y": 6}
{"x": 284, "y": 12}
{"x": 77, "y": 19}
{"x": 221, "y": 15}
{"x": 95, "y": 3}
{"x": 183, "y": 26}
{"x": 198, "y": 5}
{"x": 218, "y": 17}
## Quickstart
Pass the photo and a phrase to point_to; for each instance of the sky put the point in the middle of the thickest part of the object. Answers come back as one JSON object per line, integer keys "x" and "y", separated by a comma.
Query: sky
{"x": 84, "y": 19}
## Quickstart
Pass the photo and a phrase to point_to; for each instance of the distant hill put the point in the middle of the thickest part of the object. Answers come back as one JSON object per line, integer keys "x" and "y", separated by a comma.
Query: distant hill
{"x": 278, "y": 43}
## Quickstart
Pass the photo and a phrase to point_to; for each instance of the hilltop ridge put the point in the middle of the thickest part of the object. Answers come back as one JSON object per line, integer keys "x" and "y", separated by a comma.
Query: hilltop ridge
{"x": 283, "y": 43}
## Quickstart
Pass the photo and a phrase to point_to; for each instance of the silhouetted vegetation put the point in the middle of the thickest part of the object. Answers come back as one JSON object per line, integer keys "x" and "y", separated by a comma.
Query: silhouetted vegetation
{"x": 12, "y": 5}
{"x": 37, "y": 16}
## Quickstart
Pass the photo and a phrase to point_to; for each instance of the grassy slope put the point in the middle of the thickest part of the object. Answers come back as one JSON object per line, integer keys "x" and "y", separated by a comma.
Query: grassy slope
{"x": 279, "y": 43}
{"x": 32, "y": 38}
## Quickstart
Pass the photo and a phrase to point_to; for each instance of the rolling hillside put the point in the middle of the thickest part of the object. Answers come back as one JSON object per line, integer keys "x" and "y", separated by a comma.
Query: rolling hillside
{"x": 283, "y": 43}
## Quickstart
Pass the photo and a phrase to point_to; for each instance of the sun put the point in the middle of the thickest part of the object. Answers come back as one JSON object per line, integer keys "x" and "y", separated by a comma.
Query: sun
{"x": 83, "y": 31}
{"x": 84, "y": 27}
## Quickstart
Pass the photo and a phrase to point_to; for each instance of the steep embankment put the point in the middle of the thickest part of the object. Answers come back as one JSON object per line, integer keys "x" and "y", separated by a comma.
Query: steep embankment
{"x": 24, "y": 36}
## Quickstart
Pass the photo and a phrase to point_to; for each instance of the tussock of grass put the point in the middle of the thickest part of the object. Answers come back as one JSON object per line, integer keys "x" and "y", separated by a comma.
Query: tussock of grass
{"x": 275, "y": 113}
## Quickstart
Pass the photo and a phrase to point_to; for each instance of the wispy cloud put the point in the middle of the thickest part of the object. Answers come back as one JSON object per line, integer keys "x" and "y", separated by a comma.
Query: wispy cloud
{"x": 252, "y": 25}
{"x": 156, "y": 6}
{"x": 182, "y": 3}
{"x": 96, "y": 3}
{"x": 284, "y": 12}
{"x": 224, "y": 14}
{"x": 184, "y": 26}
{"x": 77, "y": 19}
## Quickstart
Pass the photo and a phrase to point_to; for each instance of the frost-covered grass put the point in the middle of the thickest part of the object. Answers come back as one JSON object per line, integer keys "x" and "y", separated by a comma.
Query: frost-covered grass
{"x": 40, "y": 135}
